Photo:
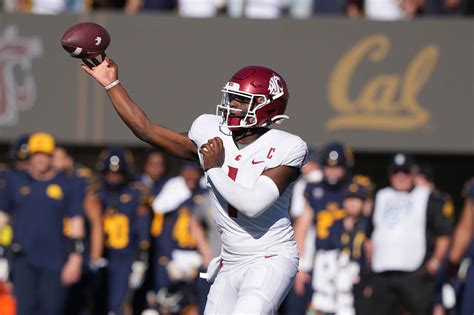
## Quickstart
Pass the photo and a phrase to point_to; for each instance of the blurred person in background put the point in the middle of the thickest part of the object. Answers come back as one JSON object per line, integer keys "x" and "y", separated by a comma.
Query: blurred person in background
{"x": 443, "y": 7}
{"x": 80, "y": 295}
{"x": 348, "y": 270}
{"x": 391, "y": 10}
{"x": 37, "y": 200}
{"x": 424, "y": 177}
{"x": 126, "y": 226}
{"x": 18, "y": 158}
{"x": 408, "y": 239}
{"x": 350, "y": 8}
{"x": 137, "y": 6}
{"x": 19, "y": 153}
{"x": 197, "y": 8}
{"x": 461, "y": 253}
{"x": 208, "y": 243}
{"x": 177, "y": 260}
{"x": 310, "y": 173}
{"x": 255, "y": 9}
{"x": 155, "y": 169}
{"x": 322, "y": 207}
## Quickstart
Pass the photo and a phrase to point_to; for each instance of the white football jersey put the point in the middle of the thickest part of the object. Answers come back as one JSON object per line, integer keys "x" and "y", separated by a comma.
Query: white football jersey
{"x": 244, "y": 238}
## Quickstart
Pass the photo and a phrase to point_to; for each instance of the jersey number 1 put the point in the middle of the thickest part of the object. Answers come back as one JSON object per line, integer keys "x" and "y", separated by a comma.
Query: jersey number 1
{"x": 233, "y": 175}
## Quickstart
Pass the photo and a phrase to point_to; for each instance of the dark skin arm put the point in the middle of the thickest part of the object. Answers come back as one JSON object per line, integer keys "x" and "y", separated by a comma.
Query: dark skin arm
{"x": 133, "y": 116}
{"x": 463, "y": 233}
{"x": 94, "y": 216}
{"x": 213, "y": 156}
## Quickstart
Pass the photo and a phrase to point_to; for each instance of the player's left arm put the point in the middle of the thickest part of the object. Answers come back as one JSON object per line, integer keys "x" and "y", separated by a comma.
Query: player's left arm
{"x": 267, "y": 189}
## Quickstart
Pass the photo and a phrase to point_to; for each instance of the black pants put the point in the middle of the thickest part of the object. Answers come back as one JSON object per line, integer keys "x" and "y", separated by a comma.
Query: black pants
{"x": 396, "y": 290}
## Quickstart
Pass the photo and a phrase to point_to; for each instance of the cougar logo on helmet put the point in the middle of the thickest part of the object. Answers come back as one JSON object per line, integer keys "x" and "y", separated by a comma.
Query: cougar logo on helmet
{"x": 274, "y": 86}
{"x": 265, "y": 92}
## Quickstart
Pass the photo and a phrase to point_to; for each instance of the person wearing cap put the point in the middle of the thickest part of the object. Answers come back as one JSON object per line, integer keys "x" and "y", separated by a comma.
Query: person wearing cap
{"x": 178, "y": 255}
{"x": 19, "y": 152}
{"x": 37, "y": 200}
{"x": 323, "y": 205}
{"x": 461, "y": 253}
{"x": 408, "y": 239}
{"x": 126, "y": 220}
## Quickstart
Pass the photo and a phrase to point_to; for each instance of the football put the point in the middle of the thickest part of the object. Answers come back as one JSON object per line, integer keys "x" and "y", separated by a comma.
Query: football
{"x": 85, "y": 40}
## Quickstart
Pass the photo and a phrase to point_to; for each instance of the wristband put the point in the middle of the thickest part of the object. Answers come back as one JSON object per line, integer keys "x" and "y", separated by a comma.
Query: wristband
{"x": 111, "y": 85}
{"x": 76, "y": 246}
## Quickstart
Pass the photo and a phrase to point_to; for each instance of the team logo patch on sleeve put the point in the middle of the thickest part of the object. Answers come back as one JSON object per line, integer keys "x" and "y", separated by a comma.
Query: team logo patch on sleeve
{"x": 54, "y": 191}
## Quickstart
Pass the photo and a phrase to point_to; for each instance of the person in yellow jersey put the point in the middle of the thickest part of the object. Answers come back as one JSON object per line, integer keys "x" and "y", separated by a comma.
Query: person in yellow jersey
{"x": 36, "y": 201}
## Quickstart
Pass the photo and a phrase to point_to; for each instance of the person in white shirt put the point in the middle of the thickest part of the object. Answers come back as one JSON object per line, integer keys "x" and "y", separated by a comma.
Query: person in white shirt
{"x": 409, "y": 237}
{"x": 250, "y": 170}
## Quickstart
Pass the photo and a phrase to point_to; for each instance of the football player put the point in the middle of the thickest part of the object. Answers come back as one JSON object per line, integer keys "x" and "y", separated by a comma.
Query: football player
{"x": 346, "y": 237}
{"x": 126, "y": 224}
{"x": 323, "y": 207}
{"x": 177, "y": 259}
{"x": 249, "y": 169}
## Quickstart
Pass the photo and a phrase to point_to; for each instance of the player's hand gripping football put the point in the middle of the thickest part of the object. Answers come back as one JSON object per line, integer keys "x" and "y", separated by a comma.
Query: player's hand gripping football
{"x": 212, "y": 153}
{"x": 104, "y": 72}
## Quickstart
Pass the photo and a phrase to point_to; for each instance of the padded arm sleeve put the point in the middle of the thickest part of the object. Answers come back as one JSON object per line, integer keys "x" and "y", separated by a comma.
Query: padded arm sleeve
{"x": 251, "y": 202}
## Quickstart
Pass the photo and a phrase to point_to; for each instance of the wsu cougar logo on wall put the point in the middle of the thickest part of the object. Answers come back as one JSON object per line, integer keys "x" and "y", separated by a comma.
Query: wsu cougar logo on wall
{"x": 17, "y": 84}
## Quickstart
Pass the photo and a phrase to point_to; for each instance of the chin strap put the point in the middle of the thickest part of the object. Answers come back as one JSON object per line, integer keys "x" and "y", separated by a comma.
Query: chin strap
{"x": 278, "y": 119}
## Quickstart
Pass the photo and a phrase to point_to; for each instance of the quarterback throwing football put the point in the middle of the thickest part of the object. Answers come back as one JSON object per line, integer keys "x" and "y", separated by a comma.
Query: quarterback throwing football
{"x": 249, "y": 170}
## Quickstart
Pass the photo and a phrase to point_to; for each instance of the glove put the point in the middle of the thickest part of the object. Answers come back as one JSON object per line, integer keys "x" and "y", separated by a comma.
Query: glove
{"x": 137, "y": 276}
{"x": 139, "y": 268}
{"x": 98, "y": 264}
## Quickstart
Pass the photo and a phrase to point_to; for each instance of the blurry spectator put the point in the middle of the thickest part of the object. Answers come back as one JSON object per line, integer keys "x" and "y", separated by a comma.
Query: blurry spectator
{"x": 322, "y": 207}
{"x": 443, "y": 7}
{"x": 78, "y": 299}
{"x": 347, "y": 273}
{"x": 369, "y": 186}
{"x": 126, "y": 226}
{"x": 351, "y": 8}
{"x": 44, "y": 260}
{"x": 463, "y": 247}
{"x": 7, "y": 301}
{"x": 424, "y": 177}
{"x": 301, "y": 9}
{"x": 177, "y": 261}
{"x": 135, "y": 6}
{"x": 197, "y": 8}
{"x": 391, "y": 10}
{"x": 256, "y": 9}
{"x": 409, "y": 237}
{"x": 18, "y": 153}
{"x": 155, "y": 168}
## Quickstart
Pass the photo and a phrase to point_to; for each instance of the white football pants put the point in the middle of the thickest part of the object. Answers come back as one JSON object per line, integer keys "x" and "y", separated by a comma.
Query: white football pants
{"x": 252, "y": 288}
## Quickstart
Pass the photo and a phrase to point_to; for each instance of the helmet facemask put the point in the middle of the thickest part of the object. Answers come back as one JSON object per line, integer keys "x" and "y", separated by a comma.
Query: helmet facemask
{"x": 239, "y": 118}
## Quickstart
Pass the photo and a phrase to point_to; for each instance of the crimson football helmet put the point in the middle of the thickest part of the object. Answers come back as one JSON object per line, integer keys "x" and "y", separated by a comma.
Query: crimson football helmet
{"x": 263, "y": 89}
